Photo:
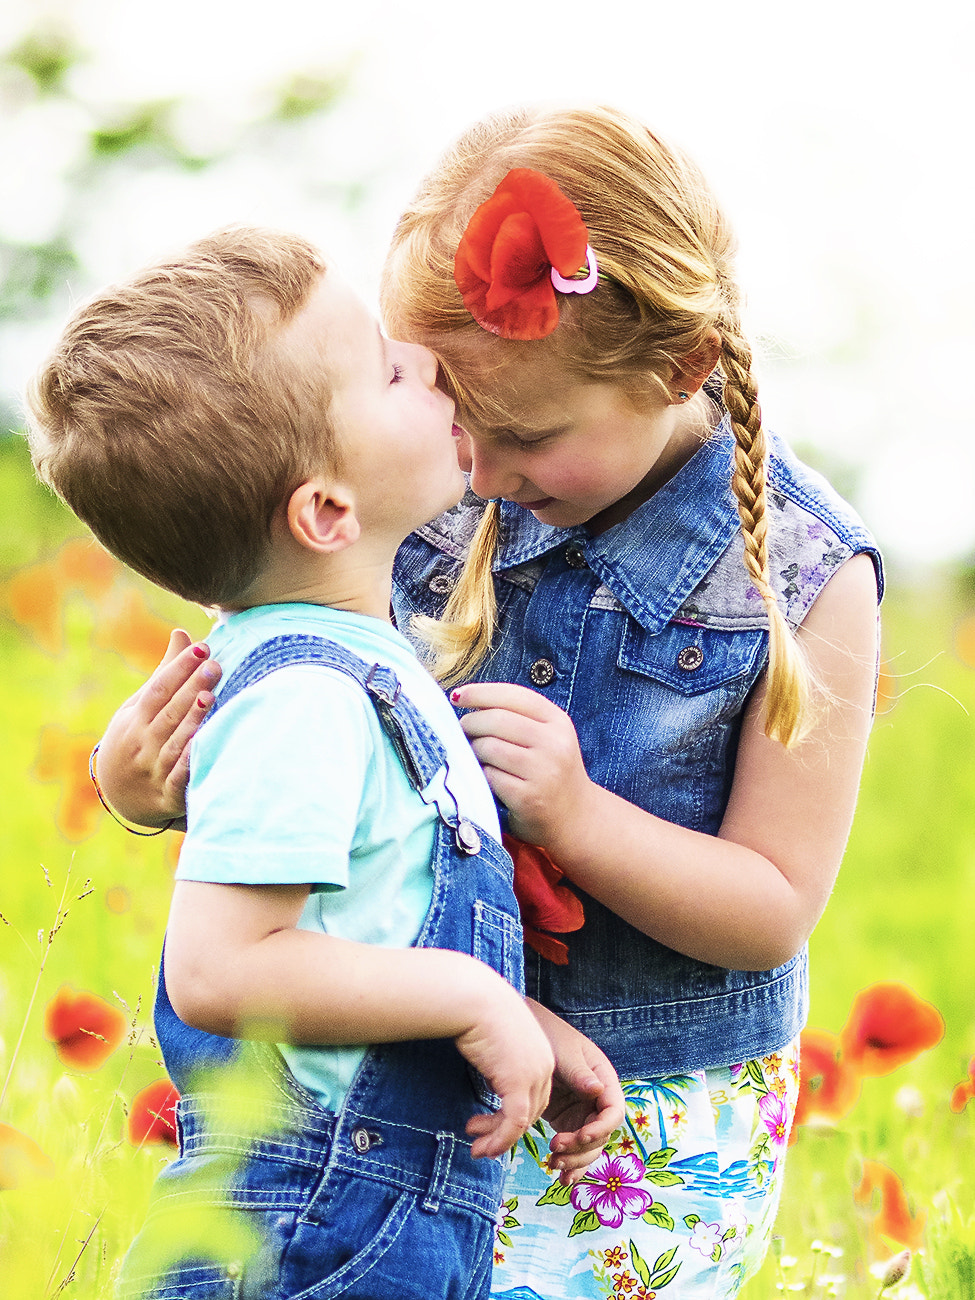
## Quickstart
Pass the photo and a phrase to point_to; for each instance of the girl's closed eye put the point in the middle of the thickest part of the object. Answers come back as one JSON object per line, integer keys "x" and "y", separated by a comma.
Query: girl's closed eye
{"x": 398, "y": 373}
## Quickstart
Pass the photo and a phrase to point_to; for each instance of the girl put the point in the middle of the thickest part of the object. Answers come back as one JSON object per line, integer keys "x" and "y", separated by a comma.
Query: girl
{"x": 662, "y": 630}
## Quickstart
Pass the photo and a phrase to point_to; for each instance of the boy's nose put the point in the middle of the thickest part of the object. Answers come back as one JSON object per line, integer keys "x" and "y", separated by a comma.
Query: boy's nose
{"x": 427, "y": 365}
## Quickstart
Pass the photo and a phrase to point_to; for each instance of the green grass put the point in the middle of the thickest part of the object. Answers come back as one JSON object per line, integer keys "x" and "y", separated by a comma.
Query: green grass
{"x": 901, "y": 910}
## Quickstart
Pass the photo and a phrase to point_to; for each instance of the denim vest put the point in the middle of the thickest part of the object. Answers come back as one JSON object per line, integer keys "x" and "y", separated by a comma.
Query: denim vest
{"x": 400, "y": 1134}
{"x": 651, "y": 636}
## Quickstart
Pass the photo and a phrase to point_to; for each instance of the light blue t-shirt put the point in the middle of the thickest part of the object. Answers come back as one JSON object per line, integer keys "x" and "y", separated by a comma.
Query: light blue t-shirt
{"x": 295, "y": 782}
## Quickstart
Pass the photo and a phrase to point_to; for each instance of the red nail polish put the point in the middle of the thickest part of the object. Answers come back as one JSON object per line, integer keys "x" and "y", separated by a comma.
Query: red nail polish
{"x": 454, "y": 696}
{"x": 198, "y": 651}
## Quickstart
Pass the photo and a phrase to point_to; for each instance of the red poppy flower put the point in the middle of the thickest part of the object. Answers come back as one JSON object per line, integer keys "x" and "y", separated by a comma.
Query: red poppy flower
{"x": 964, "y": 1091}
{"x": 893, "y": 1220}
{"x": 544, "y": 902}
{"x": 889, "y": 1025}
{"x": 21, "y": 1159}
{"x": 828, "y": 1087}
{"x": 153, "y": 1114}
{"x": 84, "y": 1028}
{"x": 505, "y": 257}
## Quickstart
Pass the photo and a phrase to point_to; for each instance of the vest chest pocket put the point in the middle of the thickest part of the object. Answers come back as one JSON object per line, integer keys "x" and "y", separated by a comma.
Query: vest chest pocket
{"x": 498, "y": 942}
{"x": 692, "y": 660}
{"x": 690, "y": 684}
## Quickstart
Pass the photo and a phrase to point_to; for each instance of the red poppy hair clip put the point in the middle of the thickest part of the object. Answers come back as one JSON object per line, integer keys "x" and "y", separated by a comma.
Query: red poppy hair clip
{"x": 521, "y": 245}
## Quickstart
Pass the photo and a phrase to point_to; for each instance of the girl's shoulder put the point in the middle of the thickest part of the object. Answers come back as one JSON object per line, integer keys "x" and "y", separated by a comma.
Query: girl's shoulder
{"x": 812, "y": 532}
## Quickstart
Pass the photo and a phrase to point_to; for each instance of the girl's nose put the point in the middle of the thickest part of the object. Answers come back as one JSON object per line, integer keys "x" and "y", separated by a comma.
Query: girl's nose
{"x": 490, "y": 476}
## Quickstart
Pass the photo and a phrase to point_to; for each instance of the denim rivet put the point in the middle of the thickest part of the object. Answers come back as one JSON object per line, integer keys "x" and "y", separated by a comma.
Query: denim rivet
{"x": 441, "y": 585}
{"x": 361, "y": 1140}
{"x": 234, "y": 1270}
{"x": 542, "y": 672}
{"x": 468, "y": 840}
{"x": 575, "y": 556}
{"x": 690, "y": 658}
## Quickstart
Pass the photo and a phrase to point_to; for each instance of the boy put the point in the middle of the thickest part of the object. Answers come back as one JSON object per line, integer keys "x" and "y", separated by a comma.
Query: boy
{"x": 233, "y": 425}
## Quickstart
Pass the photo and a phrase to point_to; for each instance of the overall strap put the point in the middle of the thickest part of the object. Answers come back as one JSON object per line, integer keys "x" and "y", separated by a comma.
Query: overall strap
{"x": 414, "y": 741}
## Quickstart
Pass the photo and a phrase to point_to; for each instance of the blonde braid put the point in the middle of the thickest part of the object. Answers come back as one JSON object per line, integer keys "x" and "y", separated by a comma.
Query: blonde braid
{"x": 462, "y": 636}
{"x": 787, "y": 707}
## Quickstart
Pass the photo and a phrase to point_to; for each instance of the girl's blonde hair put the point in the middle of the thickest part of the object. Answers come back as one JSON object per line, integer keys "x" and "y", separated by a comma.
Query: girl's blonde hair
{"x": 665, "y": 254}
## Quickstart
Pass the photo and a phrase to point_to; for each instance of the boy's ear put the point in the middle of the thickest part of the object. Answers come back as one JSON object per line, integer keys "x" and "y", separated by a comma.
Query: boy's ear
{"x": 321, "y": 517}
{"x": 691, "y": 370}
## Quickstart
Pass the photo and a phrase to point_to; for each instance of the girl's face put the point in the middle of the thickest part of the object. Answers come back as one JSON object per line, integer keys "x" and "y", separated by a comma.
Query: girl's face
{"x": 575, "y": 451}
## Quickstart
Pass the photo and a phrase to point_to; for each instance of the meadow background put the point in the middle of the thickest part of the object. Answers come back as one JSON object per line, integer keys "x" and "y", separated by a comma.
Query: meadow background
{"x": 124, "y": 131}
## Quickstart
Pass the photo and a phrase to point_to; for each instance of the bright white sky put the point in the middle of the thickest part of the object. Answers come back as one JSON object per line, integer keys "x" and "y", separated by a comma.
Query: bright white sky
{"x": 838, "y": 136}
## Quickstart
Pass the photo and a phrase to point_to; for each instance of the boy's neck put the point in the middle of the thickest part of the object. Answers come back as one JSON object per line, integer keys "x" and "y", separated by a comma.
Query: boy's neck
{"x": 351, "y": 580}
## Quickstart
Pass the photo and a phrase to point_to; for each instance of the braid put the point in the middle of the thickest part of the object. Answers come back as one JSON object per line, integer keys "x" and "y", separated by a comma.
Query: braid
{"x": 787, "y": 709}
{"x": 462, "y": 636}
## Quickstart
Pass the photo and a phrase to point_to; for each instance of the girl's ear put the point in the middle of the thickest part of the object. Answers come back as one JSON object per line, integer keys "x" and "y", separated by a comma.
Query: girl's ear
{"x": 691, "y": 370}
{"x": 321, "y": 517}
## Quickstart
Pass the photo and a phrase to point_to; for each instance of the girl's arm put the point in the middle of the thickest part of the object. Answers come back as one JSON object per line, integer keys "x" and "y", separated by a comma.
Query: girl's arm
{"x": 143, "y": 757}
{"x": 749, "y": 897}
{"x": 237, "y": 966}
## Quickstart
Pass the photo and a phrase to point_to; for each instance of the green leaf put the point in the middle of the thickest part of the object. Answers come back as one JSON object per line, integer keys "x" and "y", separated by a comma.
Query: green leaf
{"x": 663, "y": 1280}
{"x": 585, "y": 1221}
{"x": 659, "y": 1215}
{"x": 754, "y": 1072}
{"x": 532, "y": 1147}
{"x": 504, "y": 1238}
{"x": 691, "y": 1219}
{"x": 664, "y": 1178}
{"x": 555, "y": 1194}
{"x": 660, "y": 1159}
{"x": 665, "y": 1259}
{"x": 639, "y": 1264}
{"x": 716, "y": 1253}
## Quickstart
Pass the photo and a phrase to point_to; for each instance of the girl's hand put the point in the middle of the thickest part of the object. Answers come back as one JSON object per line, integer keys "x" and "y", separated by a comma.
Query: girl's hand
{"x": 143, "y": 758}
{"x": 530, "y": 754}
{"x": 587, "y": 1103}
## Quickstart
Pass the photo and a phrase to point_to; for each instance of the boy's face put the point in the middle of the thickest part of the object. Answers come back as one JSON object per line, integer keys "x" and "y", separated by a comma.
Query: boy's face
{"x": 396, "y": 442}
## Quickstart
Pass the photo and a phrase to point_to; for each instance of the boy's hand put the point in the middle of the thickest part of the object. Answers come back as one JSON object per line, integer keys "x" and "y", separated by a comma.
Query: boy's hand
{"x": 506, "y": 1044}
{"x": 530, "y": 754}
{"x": 143, "y": 758}
{"x": 586, "y": 1104}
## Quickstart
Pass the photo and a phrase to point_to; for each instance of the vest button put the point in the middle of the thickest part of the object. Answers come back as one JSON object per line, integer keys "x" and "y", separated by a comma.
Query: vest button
{"x": 441, "y": 585}
{"x": 542, "y": 672}
{"x": 690, "y": 658}
{"x": 575, "y": 556}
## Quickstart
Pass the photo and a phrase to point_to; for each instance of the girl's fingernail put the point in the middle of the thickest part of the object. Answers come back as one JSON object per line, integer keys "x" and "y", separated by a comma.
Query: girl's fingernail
{"x": 198, "y": 651}
{"x": 202, "y": 702}
{"x": 454, "y": 696}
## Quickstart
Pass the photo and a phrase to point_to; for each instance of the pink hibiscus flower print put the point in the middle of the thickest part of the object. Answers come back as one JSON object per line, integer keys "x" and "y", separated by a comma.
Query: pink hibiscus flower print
{"x": 775, "y": 1117}
{"x": 611, "y": 1188}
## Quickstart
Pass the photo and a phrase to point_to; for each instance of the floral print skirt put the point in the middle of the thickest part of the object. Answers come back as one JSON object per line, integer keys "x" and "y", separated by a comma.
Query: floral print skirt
{"x": 679, "y": 1206}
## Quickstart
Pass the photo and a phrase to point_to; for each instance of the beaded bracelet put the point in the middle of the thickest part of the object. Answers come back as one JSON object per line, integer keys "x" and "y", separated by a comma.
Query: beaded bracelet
{"x": 93, "y": 773}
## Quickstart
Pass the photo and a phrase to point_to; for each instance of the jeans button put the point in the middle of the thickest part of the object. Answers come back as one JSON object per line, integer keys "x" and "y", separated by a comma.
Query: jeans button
{"x": 441, "y": 585}
{"x": 361, "y": 1140}
{"x": 542, "y": 672}
{"x": 575, "y": 556}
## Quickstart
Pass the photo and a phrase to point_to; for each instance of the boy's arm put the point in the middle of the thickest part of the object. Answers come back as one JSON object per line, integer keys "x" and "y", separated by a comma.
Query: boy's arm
{"x": 587, "y": 1102}
{"x": 236, "y": 966}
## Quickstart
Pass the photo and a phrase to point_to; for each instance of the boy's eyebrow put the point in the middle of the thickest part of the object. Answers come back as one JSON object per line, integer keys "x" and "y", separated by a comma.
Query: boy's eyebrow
{"x": 527, "y": 430}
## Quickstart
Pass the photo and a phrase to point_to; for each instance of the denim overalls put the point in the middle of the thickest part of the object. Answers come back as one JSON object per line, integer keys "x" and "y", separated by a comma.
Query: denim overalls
{"x": 381, "y": 1199}
{"x": 651, "y": 637}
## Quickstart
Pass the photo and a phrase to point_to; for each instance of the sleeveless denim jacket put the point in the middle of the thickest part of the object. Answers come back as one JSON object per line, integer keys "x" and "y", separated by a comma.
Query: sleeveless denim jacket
{"x": 349, "y": 1201}
{"x": 651, "y": 636}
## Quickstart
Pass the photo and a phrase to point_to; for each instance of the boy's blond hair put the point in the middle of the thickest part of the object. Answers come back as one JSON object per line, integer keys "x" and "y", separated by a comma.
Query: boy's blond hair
{"x": 666, "y": 281}
{"x": 171, "y": 423}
